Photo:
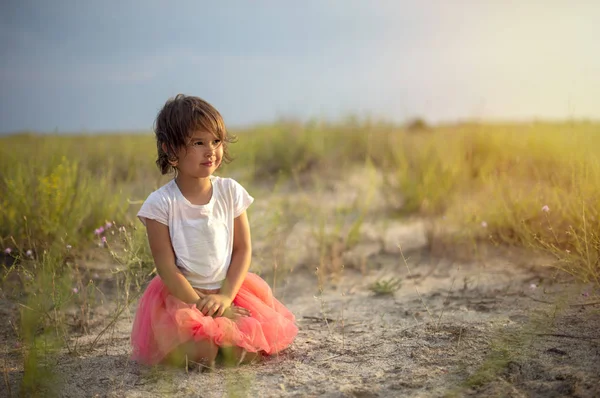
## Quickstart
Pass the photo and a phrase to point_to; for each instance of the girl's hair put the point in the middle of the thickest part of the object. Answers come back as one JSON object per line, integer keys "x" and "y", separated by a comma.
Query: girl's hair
{"x": 178, "y": 119}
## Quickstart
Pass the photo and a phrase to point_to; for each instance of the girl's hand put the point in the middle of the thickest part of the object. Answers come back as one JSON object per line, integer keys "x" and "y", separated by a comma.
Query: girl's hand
{"x": 234, "y": 312}
{"x": 213, "y": 304}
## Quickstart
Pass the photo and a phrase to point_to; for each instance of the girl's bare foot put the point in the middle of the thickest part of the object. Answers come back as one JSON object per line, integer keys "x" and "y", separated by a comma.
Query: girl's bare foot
{"x": 235, "y": 356}
{"x": 194, "y": 353}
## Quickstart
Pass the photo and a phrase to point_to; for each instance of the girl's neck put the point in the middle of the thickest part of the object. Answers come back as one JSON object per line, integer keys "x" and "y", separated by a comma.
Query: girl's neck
{"x": 195, "y": 189}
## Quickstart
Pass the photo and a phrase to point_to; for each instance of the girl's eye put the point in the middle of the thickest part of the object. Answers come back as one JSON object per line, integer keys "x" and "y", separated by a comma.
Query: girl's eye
{"x": 198, "y": 143}
{"x": 216, "y": 142}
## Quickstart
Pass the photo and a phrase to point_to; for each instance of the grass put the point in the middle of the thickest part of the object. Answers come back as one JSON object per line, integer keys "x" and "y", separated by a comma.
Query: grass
{"x": 498, "y": 175}
{"x": 386, "y": 287}
{"x": 55, "y": 296}
{"x": 535, "y": 185}
{"x": 46, "y": 292}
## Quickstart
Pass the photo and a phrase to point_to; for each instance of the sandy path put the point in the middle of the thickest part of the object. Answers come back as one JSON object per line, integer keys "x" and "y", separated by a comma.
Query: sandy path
{"x": 354, "y": 343}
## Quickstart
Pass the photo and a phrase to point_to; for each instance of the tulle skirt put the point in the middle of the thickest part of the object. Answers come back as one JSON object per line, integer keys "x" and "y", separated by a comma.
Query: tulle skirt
{"x": 163, "y": 322}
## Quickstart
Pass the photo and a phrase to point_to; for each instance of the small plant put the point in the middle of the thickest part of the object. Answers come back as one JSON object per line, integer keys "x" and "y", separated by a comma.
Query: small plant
{"x": 128, "y": 247}
{"x": 133, "y": 266}
{"x": 47, "y": 290}
{"x": 386, "y": 287}
{"x": 417, "y": 124}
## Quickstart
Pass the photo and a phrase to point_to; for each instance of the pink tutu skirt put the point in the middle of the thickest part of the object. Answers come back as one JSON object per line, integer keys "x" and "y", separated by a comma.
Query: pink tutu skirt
{"x": 163, "y": 322}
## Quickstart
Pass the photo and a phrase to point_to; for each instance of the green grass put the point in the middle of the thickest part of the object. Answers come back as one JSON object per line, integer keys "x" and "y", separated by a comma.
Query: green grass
{"x": 386, "y": 287}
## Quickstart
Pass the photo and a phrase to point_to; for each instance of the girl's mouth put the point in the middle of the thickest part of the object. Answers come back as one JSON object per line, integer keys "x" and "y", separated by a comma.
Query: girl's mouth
{"x": 207, "y": 164}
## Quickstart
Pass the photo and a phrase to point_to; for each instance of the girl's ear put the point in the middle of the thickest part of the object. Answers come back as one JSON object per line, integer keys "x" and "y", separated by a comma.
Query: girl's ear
{"x": 171, "y": 158}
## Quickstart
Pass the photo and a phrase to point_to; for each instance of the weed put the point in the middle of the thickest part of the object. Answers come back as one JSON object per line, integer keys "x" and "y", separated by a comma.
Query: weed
{"x": 385, "y": 287}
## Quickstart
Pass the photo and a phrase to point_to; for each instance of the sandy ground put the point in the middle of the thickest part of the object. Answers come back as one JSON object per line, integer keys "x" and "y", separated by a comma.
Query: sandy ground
{"x": 455, "y": 327}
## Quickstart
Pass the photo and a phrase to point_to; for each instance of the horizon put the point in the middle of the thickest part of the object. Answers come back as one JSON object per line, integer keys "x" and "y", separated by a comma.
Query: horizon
{"x": 250, "y": 127}
{"x": 71, "y": 69}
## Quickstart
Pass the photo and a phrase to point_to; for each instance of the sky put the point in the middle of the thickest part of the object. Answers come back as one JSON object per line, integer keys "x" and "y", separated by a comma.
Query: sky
{"x": 72, "y": 65}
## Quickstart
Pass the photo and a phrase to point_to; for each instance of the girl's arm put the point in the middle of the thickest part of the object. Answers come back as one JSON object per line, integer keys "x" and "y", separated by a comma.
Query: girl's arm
{"x": 240, "y": 258}
{"x": 217, "y": 304}
{"x": 164, "y": 259}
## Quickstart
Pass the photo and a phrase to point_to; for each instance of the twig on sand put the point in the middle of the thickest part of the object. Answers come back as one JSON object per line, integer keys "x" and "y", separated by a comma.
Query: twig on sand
{"x": 447, "y": 300}
{"x": 376, "y": 345}
{"x": 568, "y": 336}
{"x": 114, "y": 320}
{"x": 201, "y": 367}
{"x": 410, "y": 274}
{"x": 572, "y": 305}
{"x": 331, "y": 357}
{"x": 585, "y": 304}
{"x": 459, "y": 337}
{"x": 6, "y": 378}
{"x": 538, "y": 300}
{"x": 318, "y": 318}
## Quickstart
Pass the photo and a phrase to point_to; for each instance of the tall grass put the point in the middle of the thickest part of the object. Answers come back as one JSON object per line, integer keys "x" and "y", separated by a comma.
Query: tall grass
{"x": 63, "y": 202}
{"x": 538, "y": 187}
{"x": 62, "y": 188}
{"x": 500, "y": 176}
{"x": 290, "y": 148}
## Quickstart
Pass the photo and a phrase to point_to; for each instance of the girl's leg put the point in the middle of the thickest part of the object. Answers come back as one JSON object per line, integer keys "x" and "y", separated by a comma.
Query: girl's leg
{"x": 202, "y": 352}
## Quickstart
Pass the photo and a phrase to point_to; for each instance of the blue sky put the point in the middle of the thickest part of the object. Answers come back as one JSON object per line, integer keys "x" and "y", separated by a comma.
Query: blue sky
{"x": 96, "y": 66}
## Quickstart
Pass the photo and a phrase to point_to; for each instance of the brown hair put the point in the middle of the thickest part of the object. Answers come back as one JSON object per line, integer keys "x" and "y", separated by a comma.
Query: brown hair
{"x": 178, "y": 118}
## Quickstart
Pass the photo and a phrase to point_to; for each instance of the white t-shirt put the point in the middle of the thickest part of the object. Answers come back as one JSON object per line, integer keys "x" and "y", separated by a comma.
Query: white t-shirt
{"x": 202, "y": 235}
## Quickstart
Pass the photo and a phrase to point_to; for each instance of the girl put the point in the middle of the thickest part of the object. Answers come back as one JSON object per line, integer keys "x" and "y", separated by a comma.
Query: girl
{"x": 203, "y": 301}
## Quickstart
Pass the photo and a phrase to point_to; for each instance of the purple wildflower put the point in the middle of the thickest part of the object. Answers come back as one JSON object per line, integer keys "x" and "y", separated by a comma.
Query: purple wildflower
{"x": 545, "y": 209}
{"x": 8, "y": 250}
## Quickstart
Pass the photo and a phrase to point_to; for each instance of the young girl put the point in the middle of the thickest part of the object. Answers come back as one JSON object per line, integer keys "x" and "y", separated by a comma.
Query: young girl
{"x": 203, "y": 300}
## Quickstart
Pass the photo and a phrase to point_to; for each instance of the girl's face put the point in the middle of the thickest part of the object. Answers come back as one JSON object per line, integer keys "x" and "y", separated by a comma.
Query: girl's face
{"x": 202, "y": 155}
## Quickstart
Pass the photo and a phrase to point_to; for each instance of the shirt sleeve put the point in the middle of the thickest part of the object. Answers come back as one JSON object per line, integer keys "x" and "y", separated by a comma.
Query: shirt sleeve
{"x": 241, "y": 198}
{"x": 154, "y": 208}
